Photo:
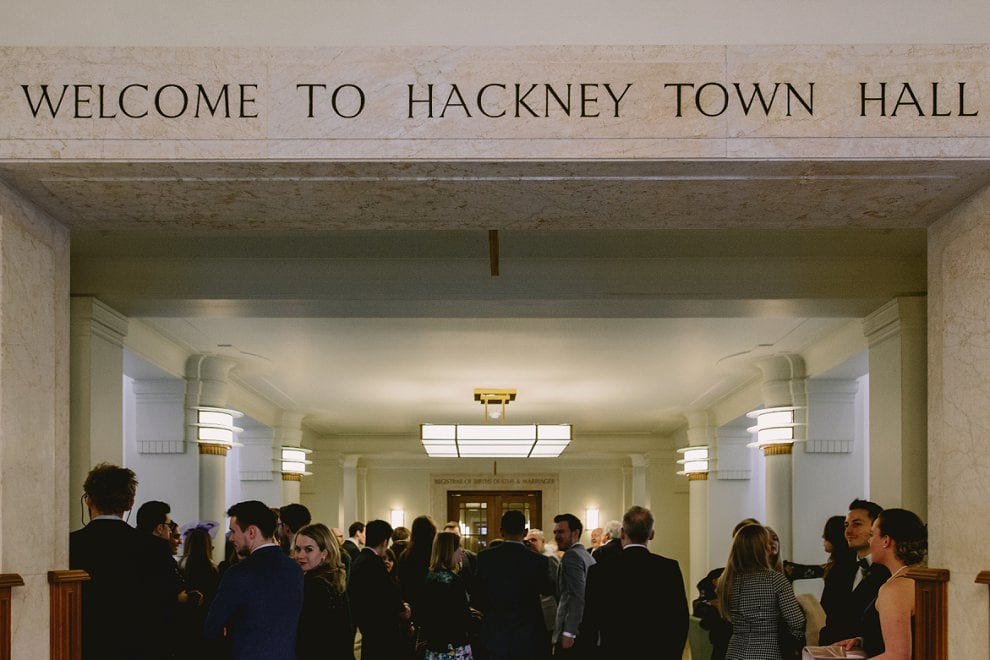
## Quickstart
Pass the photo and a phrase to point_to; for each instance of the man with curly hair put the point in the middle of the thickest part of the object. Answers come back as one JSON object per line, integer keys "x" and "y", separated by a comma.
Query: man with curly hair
{"x": 130, "y": 574}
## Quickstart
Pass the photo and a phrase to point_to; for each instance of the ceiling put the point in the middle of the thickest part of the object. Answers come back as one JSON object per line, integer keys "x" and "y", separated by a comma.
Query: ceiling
{"x": 360, "y": 293}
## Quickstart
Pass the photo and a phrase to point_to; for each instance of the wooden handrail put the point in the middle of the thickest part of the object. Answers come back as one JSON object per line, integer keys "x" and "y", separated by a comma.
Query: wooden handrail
{"x": 66, "y": 613}
{"x": 983, "y": 578}
{"x": 7, "y": 581}
{"x": 931, "y": 612}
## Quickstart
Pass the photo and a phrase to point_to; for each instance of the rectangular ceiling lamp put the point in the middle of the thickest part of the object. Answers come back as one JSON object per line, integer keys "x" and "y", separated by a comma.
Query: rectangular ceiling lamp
{"x": 495, "y": 440}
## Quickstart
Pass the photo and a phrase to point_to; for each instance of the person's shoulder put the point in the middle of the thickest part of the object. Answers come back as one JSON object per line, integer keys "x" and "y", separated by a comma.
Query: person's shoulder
{"x": 897, "y": 593}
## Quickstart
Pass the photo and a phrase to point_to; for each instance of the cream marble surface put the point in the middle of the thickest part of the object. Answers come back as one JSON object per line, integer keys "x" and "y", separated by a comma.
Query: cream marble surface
{"x": 959, "y": 416}
{"x": 33, "y": 411}
{"x": 647, "y": 125}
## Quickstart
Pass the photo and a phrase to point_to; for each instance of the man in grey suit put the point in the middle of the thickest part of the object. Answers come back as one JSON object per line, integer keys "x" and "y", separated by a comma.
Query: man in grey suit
{"x": 571, "y": 580}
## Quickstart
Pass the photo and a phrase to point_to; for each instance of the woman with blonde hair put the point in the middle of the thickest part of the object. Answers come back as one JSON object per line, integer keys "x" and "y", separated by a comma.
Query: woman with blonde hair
{"x": 325, "y": 628}
{"x": 754, "y": 598}
{"x": 444, "y": 618}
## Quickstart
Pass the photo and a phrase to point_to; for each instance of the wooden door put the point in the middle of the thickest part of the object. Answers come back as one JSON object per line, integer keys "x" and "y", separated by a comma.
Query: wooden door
{"x": 479, "y": 513}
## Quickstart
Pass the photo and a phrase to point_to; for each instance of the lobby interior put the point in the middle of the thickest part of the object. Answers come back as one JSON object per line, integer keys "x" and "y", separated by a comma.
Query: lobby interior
{"x": 657, "y": 280}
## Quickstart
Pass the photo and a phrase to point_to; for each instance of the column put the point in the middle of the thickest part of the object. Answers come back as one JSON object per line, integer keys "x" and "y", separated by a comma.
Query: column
{"x": 362, "y": 497}
{"x": 640, "y": 493}
{"x": 959, "y": 416}
{"x": 700, "y": 433}
{"x": 206, "y": 386}
{"x": 732, "y": 493}
{"x": 349, "y": 496}
{"x": 96, "y": 393}
{"x": 34, "y": 413}
{"x": 627, "y": 498}
{"x": 288, "y": 435}
{"x": 783, "y": 386}
{"x": 897, "y": 337}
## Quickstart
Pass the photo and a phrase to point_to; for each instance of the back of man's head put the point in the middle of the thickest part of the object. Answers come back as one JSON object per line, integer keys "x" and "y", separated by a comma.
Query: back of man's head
{"x": 376, "y": 532}
{"x": 612, "y": 529}
{"x": 513, "y": 524}
{"x": 111, "y": 488}
{"x": 638, "y": 524}
{"x": 295, "y": 516}
{"x": 400, "y": 534}
{"x": 355, "y": 528}
{"x": 151, "y": 514}
{"x": 253, "y": 512}
{"x": 573, "y": 522}
{"x": 872, "y": 508}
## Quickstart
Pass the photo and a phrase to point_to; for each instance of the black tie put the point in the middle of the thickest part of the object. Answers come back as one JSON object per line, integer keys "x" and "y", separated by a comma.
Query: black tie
{"x": 864, "y": 565}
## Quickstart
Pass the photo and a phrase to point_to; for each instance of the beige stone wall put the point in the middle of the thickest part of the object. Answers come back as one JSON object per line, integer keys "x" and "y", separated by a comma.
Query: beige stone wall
{"x": 552, "y": 102}
{"x": 34, "y": 412}
{"x": 959, "y": 415}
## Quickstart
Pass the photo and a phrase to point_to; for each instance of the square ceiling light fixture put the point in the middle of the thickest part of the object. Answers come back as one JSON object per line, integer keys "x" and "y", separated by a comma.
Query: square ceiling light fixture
{"x": 495, "y": 440}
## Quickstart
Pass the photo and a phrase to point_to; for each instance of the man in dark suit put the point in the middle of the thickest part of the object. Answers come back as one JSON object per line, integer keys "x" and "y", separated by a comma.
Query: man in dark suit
{"x": 511, "y": 579}
{"x": 356, "y": 539}
{"x": 611, "y": 544}
{"x": 291, "y": 518}
{"x": 853, "y": 584}
{"x": 376, "y": 604}
{"x": 130, "y": 574}
{"x": 260, "y": 597}
{"x": 635, "y": 603}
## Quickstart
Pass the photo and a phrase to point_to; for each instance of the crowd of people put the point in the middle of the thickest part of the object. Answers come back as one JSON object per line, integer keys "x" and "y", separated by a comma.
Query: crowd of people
{"x": 290, "y": 588}
{"x": 751, "y": 612}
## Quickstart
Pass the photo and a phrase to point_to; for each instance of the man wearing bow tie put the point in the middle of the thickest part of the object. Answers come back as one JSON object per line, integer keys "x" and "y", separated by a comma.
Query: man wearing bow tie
{"x": 852, "y": 583}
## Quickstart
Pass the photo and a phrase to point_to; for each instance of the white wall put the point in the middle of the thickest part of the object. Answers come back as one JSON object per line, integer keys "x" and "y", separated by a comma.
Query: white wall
{"x": 172, "y": 478}
{"x": 252, "y": 23}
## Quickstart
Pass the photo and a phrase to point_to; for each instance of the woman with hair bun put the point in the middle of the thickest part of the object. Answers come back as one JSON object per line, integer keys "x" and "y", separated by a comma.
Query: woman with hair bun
{"x": 899, "y": 541}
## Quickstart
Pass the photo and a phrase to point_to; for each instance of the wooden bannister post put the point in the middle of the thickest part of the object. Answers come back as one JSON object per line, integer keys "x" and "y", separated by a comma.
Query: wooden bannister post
{"x": 931, "y": 612}
{"x": 66, "y": 613}
{"x": 983, "y": 578}
{"x": 7, "y": 581}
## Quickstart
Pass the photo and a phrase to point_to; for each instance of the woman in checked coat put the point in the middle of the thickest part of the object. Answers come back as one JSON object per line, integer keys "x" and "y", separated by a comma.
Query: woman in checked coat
{"x": 757, "y": 600}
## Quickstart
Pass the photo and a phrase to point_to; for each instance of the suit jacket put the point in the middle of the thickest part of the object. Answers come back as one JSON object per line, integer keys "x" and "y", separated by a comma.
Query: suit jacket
{"x": 132, "y": 583}
{"x": 511, "y": 578}
{"x": 351, "y": 548}
{"x": 571, "y": 580}
{"x": 636, "y": 606}
{"x": 607, "y": 551}
{"x": 375, "y": 606}
{"x": 259, "y": 601}
{"x": 844, "y": 606}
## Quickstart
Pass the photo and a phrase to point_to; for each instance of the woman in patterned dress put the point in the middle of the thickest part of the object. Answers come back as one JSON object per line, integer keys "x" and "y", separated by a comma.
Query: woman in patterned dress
{"x": 444, "y": 618}
{"x": 756, "y": 599}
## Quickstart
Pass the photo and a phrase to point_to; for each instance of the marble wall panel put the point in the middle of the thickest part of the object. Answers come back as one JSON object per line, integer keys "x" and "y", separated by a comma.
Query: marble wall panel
{"x": 959, "y": 415}
{"x": 33, "y": 411}
{"x": 532, "y": 102}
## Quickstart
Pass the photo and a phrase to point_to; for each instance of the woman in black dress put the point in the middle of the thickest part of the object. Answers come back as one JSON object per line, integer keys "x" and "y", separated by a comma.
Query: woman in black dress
{"x": 899, "y": 540}
{"x": 325, "y": 629}
{"x": 414, "y": 562}
{"x": 444, "y": 618}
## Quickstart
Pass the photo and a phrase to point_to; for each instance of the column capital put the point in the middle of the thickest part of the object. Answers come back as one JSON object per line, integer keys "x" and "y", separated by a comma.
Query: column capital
{"x": 212, "y": 450}
{"x": 783, "y": 380}
{"x": 90, "y": 316}
{"x": 902, "y": 314}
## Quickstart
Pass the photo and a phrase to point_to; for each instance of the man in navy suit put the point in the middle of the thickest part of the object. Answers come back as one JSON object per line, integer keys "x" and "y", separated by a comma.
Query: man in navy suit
{"x": 131, "y": 576}
{"x": 376, "y": 603}
{"x": 511, "y": 579}
{"x": 260, "y": 598}
{"x": 635, "y": 603}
